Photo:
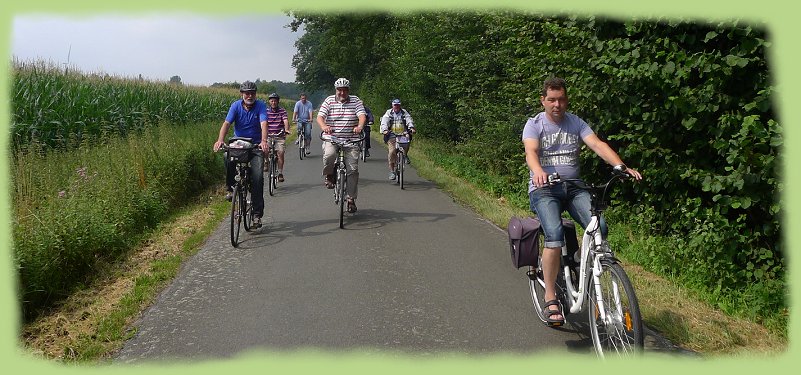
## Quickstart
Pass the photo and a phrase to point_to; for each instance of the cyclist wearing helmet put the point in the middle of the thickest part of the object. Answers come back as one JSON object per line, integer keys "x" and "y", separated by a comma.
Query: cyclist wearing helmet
{"x": 302, "y": 115}
{"x": 342, "y": 115}
{"x": 395, "y": 121}
{"x": 249, "y": 117}
{"x": 277, "y": 119}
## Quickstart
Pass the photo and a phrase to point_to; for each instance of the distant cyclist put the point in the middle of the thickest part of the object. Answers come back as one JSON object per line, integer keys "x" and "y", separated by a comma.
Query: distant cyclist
{"x": 342, "y": 115}
{"x": 370, "y": 120}
{"x": 277, "y": 119}
{"x": 249, "y": 117}
{"x": 302, "y": 115}
{"x": 395, "y": 121}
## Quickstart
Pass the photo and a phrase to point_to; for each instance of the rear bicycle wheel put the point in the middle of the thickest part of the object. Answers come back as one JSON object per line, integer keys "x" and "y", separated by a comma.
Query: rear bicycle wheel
{"x": 619, "y": 332}
{"x": 536, "y": 285}
{"x": 236, "y": 215}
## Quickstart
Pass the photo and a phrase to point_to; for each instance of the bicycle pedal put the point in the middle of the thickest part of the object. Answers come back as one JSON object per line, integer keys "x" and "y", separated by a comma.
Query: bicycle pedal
{"x": 532, "y": 274}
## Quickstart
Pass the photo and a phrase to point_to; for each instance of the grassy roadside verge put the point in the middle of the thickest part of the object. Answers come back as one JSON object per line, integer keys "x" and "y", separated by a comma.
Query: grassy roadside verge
{"x": 91, "y": 325}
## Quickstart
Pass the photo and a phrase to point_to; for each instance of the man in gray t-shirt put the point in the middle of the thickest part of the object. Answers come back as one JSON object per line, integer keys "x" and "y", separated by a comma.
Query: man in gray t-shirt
{"x": 552, "y": 140}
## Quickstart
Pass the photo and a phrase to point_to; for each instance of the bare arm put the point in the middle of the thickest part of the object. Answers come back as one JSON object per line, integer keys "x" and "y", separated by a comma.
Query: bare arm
{"x": 607, "y": 154}
{"x": 360, "y": 127}
{"x": 532, "y": 147}
{"x": 221, "y": 136}
{"x": 264, "y": 145}
{"x": 321, "y": 122}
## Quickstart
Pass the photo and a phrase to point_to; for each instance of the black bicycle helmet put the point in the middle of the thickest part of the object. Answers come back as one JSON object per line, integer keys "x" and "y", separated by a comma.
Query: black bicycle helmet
{"x": 247, "y": 86}
{"x": 273, "y": 96}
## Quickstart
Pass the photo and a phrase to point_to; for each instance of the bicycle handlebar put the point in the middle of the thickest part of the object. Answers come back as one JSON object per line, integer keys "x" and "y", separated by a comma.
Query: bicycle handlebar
{"x": 273, "y": 135}
{"x": 341, "y": 141}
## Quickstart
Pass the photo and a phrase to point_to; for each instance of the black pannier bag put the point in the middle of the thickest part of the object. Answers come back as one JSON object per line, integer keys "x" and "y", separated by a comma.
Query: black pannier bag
{"x": 523, "y": 242}
{"x": 523, "y": 234}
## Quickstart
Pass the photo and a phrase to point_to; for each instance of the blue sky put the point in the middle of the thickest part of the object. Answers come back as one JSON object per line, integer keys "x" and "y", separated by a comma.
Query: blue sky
{"x": 200, "y": 49}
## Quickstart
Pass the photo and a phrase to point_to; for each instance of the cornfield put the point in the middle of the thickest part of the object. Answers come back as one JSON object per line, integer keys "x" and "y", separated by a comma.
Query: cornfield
{"x": 61, "y": 108}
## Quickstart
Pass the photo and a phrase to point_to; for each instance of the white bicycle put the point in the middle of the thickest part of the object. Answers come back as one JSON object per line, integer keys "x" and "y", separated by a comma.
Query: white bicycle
{"x": 597, "y": 278}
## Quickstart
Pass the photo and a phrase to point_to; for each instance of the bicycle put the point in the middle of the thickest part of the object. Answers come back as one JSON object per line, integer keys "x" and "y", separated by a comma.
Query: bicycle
{"x": 363, "y": 144}
{"x": 341, "y": 183}
{"x": 241, "y": 150}
{"x": 401, "y": 140}
{"x": 272, "y": 163}
{"x": 301, "y": 142}
{"x": 596, "y": 278}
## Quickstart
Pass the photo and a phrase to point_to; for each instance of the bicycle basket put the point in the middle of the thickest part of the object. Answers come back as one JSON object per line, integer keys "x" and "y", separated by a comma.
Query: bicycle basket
{"x": 240, "y": 151}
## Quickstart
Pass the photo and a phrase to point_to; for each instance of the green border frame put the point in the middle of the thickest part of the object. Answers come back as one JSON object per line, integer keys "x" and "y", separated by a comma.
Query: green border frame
{"x": 783, "y": 28}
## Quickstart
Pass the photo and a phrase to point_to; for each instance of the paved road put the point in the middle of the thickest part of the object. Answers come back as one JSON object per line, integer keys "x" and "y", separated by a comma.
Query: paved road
{"x": 412, "y": 272}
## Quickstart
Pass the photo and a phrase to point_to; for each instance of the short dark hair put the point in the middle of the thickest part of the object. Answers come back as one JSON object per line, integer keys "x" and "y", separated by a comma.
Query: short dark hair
{"x": 553, "y": 83}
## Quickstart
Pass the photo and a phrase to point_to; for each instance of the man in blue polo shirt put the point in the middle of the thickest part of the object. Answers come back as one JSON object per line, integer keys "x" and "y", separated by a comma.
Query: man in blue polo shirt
{"x": 249, "y": 117}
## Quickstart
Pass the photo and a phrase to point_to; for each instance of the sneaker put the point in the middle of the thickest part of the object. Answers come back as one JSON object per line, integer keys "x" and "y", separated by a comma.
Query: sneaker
{"x": 408, "y": 161}
{"x": 366, "y": 153}
{"x": 229, "y": 195}
{"x": 308, "y": 152}
{"x": 280, "y": 177}
{"x": 351, "y": 205}
{"x": 392, "y": 176}
{"x": 256, "y": 222}
{"x": 329, "y": 184}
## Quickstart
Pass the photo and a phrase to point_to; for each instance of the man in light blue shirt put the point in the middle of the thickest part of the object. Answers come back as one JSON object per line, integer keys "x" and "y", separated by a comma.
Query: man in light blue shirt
{"x": 302, "y": 115}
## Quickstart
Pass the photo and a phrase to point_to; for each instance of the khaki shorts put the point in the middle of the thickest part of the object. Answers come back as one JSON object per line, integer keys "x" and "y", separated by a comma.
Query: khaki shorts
{"x": 279, "y": 145}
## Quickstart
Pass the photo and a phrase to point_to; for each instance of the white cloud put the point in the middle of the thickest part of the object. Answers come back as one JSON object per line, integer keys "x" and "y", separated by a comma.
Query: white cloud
{"x": 200, "y": 49}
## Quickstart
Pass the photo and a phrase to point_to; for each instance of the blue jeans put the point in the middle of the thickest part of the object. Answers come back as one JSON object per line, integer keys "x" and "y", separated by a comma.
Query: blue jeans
{"x": 256, "y": 180}
{"x": 306, "y": 126}
{"x": 548, "y": 202}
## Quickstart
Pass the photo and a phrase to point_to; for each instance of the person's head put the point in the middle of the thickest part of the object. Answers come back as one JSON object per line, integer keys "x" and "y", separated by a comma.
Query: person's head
{"x": 554, "y": 98}
{"x": 396, "y": 105}
{"x": 303, "y": 97}
{"x": 274, "y": 99}
{"x": 248, "y": 91}
{"x": 342, "y": 86}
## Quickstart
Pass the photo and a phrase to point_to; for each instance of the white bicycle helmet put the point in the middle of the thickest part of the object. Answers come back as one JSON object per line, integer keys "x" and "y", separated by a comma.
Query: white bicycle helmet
{"x": 342, "y": 82}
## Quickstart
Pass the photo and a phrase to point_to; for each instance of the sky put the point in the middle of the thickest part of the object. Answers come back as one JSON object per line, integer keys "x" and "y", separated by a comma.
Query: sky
{"x": 201, "y": 49}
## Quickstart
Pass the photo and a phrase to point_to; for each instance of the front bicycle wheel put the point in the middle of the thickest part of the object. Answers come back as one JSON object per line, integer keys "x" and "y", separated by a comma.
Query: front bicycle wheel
{"x": 271, "y": 181}
{"x": 247, "y": 207}
{"x": 236, "y": 215}
{"x": 302, "y": 146}
{"x": 401, "y": 156}
{"x": 342, "y": 186}
{"x": 618, "y": 331}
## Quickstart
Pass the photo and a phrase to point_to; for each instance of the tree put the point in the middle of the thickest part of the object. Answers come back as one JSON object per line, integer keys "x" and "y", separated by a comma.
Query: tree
{"x": 176, "y": 80}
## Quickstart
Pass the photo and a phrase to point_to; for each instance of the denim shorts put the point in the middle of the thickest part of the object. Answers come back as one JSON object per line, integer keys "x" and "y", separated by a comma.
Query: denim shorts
{"x": 548, "y": 202}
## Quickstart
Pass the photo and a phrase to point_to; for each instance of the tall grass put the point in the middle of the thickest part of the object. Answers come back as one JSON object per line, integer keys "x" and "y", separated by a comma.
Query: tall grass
{"x": 75, "y": 208}
{"x": 97, "y": 162}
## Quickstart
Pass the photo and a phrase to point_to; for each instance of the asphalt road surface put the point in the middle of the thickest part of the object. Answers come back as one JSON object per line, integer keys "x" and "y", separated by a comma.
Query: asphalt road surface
{"x": 412, "y": 273}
